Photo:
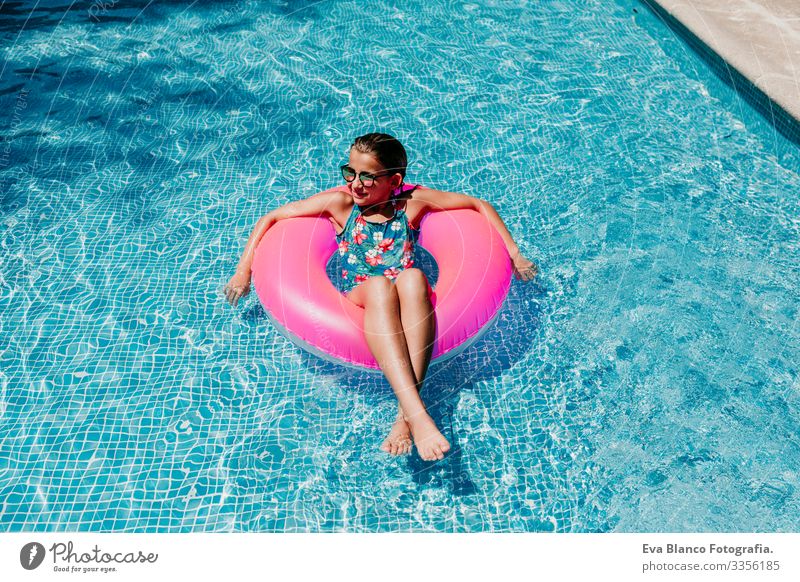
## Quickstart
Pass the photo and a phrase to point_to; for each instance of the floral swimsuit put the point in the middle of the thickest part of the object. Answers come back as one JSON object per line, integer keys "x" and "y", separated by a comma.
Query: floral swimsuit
{"x": 369, "y": 249}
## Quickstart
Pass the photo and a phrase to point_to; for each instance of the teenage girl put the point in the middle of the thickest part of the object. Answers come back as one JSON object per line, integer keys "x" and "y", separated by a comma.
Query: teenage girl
{"x": 377, "y": 221}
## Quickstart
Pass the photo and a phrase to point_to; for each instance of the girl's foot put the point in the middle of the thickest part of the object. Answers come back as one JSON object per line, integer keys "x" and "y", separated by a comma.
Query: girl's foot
{"x": 399, "y": 440}
{"x": 431, "y": 444}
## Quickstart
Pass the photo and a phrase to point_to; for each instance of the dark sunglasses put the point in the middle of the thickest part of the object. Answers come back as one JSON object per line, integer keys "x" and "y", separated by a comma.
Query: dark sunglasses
{"x": 367, "y": 179}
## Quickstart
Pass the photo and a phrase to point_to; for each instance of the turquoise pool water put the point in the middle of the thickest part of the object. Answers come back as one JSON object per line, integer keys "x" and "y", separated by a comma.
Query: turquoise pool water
{"x": 646, "y": 382}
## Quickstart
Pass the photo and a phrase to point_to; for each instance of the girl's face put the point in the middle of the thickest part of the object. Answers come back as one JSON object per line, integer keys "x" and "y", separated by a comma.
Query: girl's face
{"x": 382, "y": 186}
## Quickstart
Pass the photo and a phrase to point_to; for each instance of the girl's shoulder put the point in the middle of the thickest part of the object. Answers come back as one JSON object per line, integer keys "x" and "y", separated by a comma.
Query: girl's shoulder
{"x": 338, "y": 206}
{"x": 422, "y": 200}
{"x": 414, "y": 202}
{"x": 421, "y": 193}
{"x": 336, "y": 195}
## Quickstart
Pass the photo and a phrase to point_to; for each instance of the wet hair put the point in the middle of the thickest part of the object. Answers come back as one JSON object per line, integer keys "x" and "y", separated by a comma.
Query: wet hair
{"x": 387, "y": 150}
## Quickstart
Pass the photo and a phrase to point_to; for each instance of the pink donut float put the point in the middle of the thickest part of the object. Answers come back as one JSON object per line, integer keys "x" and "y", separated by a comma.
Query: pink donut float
{"x": 292, "y": 284}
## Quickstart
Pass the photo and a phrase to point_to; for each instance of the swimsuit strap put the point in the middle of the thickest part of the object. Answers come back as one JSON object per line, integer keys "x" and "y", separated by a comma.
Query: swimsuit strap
{"x": 395, "y": 204}
{"x": 348, "y": 223}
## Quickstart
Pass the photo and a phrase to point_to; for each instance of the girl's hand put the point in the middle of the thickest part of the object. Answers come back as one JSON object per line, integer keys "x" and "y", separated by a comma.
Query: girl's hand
{"x": 237, "y": 287}
{"x": 524, "y": 269}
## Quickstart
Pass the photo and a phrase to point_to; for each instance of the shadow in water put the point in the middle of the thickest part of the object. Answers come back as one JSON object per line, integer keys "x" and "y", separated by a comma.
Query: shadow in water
{"x": 508, "y": 340}
{"x": 450, "y": 471}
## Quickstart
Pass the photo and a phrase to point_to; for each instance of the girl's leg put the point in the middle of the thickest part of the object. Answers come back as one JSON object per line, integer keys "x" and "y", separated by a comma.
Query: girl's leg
{"x": 383, "y": 330}
{"x": 416, "y": 315}
{"x": 419, "y": 327}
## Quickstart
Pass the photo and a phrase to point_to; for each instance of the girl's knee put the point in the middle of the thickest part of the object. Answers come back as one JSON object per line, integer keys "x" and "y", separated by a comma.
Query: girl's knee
{"x": 412, "y": 280}
{"x": 379, "y": 290}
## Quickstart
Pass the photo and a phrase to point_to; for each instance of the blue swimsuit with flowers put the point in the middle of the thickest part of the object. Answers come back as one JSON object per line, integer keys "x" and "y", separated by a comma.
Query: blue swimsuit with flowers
{"x": 369, "y": 249}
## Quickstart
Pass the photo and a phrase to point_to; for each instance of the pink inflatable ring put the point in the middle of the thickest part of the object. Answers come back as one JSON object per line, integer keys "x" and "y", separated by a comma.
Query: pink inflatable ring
{"x": 292, "y": 284}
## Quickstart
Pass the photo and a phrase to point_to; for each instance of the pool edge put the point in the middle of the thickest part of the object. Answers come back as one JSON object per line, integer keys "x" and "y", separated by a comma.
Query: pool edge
{"x": 734, "y": 66}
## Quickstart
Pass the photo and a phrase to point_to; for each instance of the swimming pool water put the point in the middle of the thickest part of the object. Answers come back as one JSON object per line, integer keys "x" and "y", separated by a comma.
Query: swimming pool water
{"x": 647, "y": 381}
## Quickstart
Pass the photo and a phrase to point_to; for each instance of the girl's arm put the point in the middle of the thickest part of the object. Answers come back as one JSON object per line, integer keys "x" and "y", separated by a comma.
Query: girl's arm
{"x": 322, "y": 204}
{"x": 434, "y": 200}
